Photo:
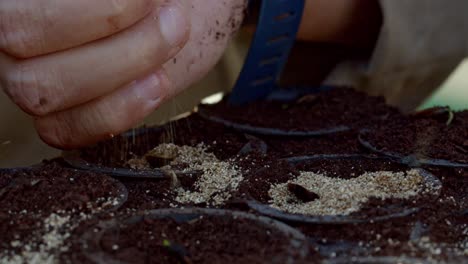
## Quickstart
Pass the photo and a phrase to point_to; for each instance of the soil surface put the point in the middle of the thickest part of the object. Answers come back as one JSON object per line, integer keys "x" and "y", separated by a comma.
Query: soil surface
{"x": 338, "y": 107}
{"x": 258, "y": 181}
{"x": 438, "y": 231}
{"x": 325, "y": 110}
{"x": 40, "y": 205}
{"x": 148, "y": 194}
{"x": 52, "y": 201}
{"x": 339, "y": 143}
{"x": 208, "y": 239}
{"x": 425, "y": 137}
{"x": 191, "y": 131}
{"x": 55, "y": 188}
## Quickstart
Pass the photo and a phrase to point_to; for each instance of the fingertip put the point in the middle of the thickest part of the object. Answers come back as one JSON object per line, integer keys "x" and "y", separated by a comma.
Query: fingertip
{"x": 50, "y": 133}
{"x": 108, "y": 116}
{"x": 174, "y": 23}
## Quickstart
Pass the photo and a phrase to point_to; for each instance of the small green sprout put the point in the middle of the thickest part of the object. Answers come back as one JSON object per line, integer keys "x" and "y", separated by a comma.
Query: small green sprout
{"x": 166, "y": 243}
{"x": 451, "y": 115}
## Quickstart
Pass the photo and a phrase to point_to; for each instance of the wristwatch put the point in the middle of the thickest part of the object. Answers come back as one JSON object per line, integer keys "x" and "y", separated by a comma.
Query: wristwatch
{"x": 274, "y": 38}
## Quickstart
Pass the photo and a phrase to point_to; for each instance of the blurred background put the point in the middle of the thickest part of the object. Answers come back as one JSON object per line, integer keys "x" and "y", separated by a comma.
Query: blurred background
{"x": 454, "y": 92}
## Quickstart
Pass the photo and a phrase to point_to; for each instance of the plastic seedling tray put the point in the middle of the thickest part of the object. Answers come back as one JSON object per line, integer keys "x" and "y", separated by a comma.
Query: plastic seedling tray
{"x": 410, "y": 160}
{"x": 73, "y": 159}
{"x": 378, "y": 260}
{"x": 391, "y": 212}
{"x": 23, "y": 183}
{"x": 295, "y": 218}
{"x": 295, "y": 241}
{"x": 269, "y": 131}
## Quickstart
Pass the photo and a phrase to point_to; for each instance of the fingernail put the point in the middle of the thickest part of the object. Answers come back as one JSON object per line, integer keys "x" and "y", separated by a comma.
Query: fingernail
{"x": 148, "y": 88}
{"x": 173, "y": 24}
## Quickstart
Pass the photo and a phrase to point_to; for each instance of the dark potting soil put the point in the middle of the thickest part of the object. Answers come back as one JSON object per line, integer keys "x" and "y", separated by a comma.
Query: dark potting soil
{"x": 259, "y": 173}
{"x": 425, "y": 137}
{"x": 148, "y": 194}
{"x": 156, "y": 194}
{"x": 434, "y": 233}
{"x": 455, "y": 186}
{"x": 36, "y": 200}
{"x": 442, "y": 221}
{"x": 203, "y": 240}
{"x": 263, "y": 172}
{"x": 339, "y": 143}
{"x": 439, "y": 230}
{"x": 325, "y": 110}
{"x": 54, "y": 188}
{"x": 224, "y": 142}
{"x": 5, "y": 178}
{"x": 191, "y": 131}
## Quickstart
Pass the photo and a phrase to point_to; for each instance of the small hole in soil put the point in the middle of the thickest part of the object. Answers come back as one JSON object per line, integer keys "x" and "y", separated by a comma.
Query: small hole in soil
{"x": 302, "y": 193}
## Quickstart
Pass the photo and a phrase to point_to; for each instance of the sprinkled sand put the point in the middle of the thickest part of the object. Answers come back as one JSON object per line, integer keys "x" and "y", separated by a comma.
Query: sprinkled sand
{"x": 219, "y": 179}
{"x": 49, "y": 246}
{"x": 345, "y": 196}
{"x": 50, "y": 240}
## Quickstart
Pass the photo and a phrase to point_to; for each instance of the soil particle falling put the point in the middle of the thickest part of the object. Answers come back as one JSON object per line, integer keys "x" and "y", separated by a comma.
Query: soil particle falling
{"x": 342, "y": 196}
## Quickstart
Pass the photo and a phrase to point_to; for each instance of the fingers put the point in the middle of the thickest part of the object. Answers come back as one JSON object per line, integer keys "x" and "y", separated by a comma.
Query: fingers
{"x": 36, "y": 27}
{"x": 66, "y": 79}
{"x": 109, "y": 115}
{"x": 204, "y": 49}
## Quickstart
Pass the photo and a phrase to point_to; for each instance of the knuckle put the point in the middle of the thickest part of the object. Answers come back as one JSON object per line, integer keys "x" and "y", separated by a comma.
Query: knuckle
{"x": 18, "y": 36}
{"x": 153, "y": 51}
{"x": 119, "y": 7}
{"x": 122, "y": 7}
{"x": 25, "y": 86}
{"x": 122, "y": 13}
{"x": 13, "y": 42}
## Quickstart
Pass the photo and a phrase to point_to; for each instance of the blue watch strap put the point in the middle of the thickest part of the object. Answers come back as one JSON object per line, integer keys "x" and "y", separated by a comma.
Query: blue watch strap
{"x": 275, "y": 36}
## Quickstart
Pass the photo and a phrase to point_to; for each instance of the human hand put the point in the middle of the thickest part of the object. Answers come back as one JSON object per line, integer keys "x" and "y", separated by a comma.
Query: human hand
{"x": 86, "y": 70}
